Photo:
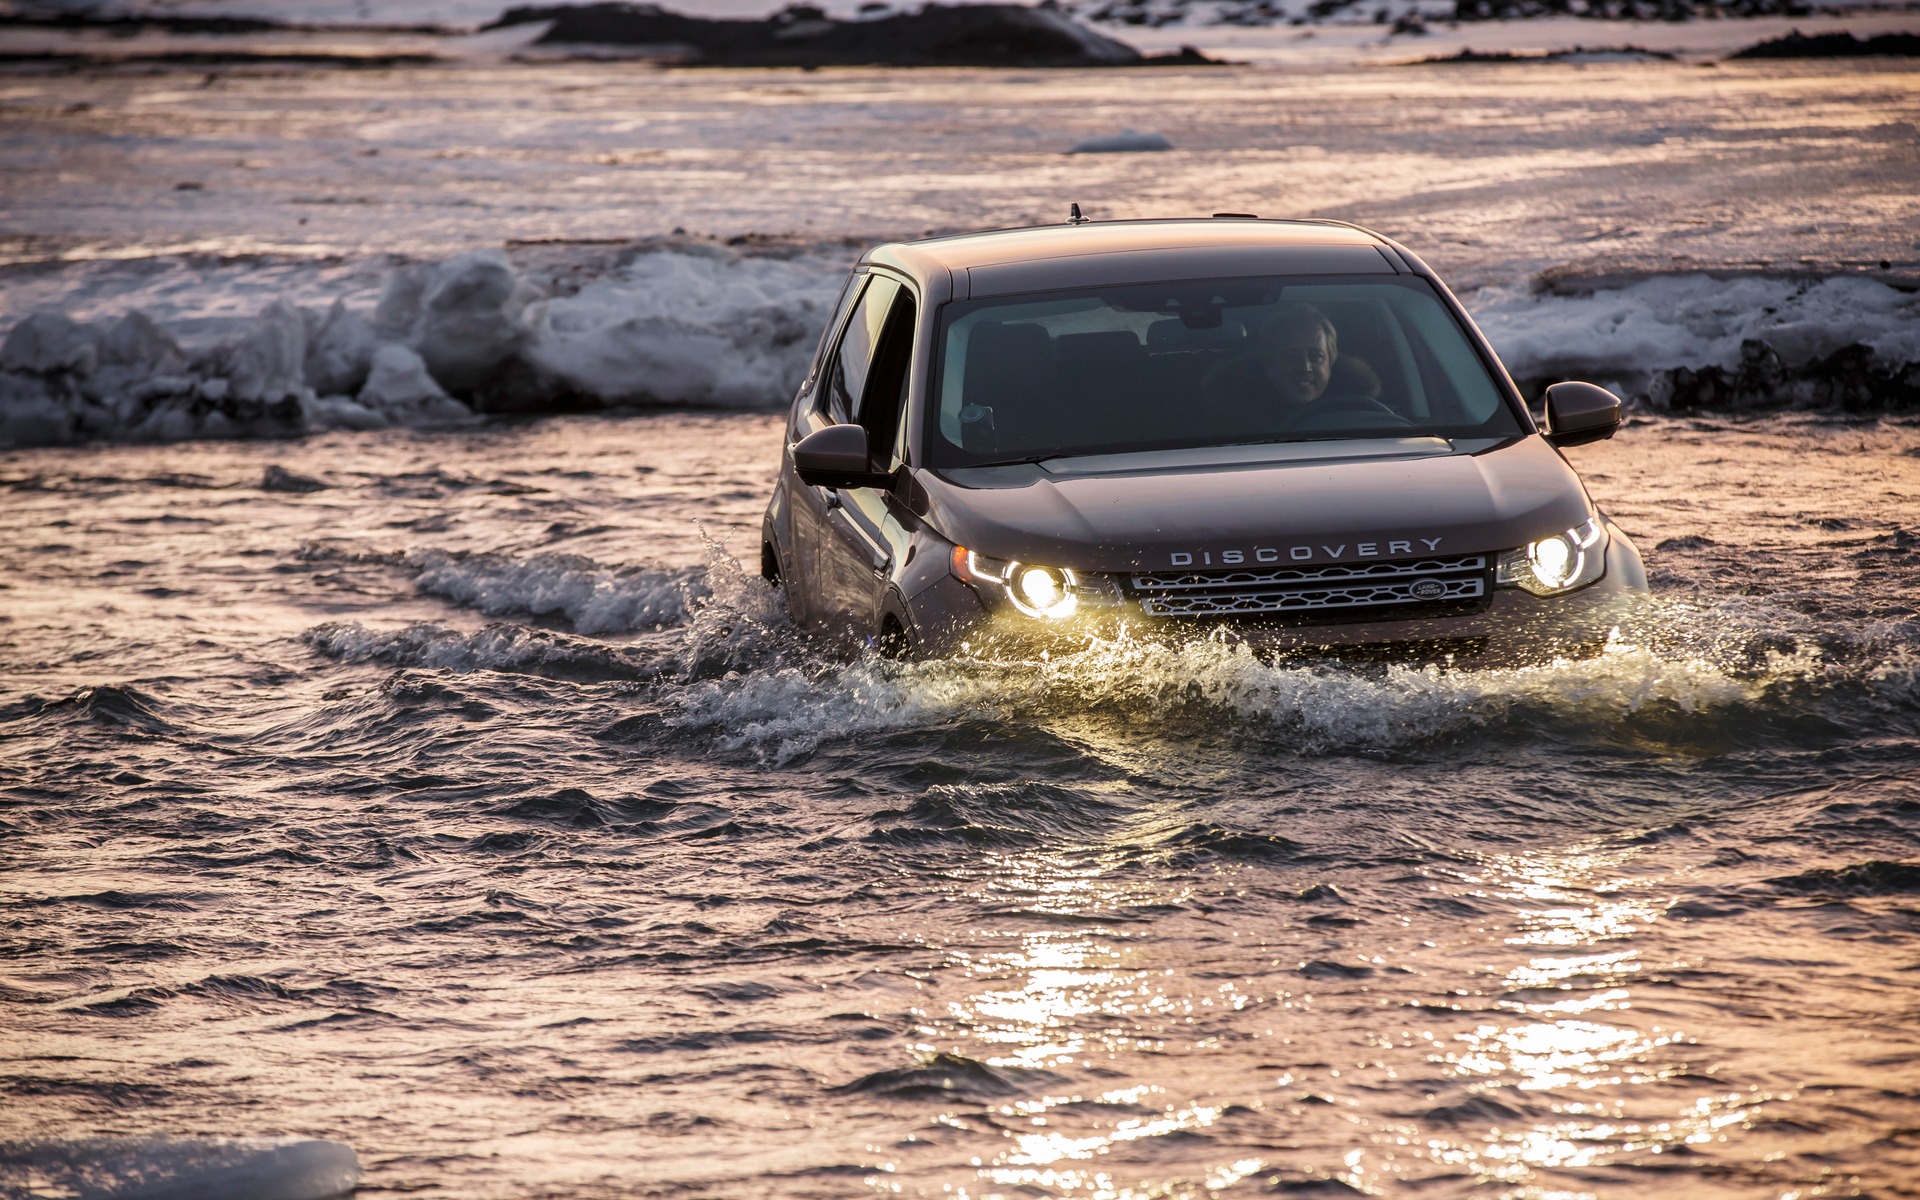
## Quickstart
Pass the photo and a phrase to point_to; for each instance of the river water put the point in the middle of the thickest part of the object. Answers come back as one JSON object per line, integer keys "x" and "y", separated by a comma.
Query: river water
{"x": 474, "y": 809}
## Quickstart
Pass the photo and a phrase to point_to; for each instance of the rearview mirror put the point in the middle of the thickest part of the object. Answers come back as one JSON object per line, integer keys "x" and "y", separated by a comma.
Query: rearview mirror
{"x": 1578, "y": 413}
{"x": 836, "y": 457}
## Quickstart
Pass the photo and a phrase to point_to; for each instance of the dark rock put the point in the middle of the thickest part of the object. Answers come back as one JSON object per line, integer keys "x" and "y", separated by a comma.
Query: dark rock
{"x": 1575, "y": 55}
{"x": 988, "y": 35}
{"x": 1626, "y": 10}
{"x": 1834, "y": 45}
{"x": 1852, "y": 379}
{"x": 278, "y": 479}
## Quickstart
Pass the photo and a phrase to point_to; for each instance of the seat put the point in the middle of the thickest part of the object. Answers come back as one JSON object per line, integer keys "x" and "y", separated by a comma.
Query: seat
{"x": 1010, "y": 369}
{"x": 1105, "y": 395}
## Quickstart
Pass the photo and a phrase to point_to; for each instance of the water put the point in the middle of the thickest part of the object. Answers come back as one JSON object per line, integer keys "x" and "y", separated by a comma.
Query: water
{"x": 385, "y": 813}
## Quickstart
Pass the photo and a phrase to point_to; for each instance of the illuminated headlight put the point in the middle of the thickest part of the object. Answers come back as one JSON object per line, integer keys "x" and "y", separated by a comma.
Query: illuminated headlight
{"x": 1556, "y": 564}
{"x": 1037, "y": 591}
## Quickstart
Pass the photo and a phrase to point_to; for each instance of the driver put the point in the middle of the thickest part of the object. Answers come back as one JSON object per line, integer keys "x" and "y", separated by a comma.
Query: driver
{"x": 1289, "y": 375}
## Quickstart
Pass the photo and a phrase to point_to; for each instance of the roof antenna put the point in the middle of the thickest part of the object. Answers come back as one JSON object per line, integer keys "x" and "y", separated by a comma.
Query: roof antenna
{"x": 1074, "y": 217}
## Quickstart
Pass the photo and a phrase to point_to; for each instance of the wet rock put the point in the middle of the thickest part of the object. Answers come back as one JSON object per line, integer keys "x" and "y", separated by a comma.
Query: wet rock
{"x": 987, "y": 35}
{"x": 1579, "y": 54}
{"x": 1626, "y": 10}
{"x": 1852, "y": 378}
{"x": 1127, "y": 141}
{"x": 277, "y": 478}
{"x": 1833, "y": 45}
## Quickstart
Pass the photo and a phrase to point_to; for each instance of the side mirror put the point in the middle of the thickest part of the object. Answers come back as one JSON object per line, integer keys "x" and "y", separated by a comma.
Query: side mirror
{"x": 836, "y": 457}
{"x": 1578, "y": 413}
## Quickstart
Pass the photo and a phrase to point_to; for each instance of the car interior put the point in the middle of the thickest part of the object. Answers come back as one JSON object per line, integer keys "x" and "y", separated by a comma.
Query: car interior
{"x": 1144, "y": 369}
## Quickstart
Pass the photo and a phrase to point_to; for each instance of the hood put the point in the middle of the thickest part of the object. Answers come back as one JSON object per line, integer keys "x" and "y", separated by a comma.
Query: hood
{"x": 1302, "y": 502}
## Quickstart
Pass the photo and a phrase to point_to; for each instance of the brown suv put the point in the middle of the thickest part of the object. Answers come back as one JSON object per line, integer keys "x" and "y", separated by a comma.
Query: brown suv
{"x": 1288, "y": 426}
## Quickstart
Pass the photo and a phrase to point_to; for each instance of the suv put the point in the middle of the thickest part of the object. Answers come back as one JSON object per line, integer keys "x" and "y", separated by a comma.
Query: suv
{"x": 1290, "y": 428}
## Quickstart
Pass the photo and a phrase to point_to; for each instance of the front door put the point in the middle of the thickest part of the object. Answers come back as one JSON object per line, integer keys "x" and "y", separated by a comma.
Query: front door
{"x": 846, "y": 539}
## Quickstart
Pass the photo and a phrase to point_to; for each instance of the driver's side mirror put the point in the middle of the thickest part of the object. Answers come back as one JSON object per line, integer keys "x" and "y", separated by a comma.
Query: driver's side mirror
{"x": 836, "y": 457}
{"x": 1578, "y": 413}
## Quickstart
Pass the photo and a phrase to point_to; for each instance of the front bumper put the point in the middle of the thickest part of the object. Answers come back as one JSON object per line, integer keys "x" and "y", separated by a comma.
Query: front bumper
{"x": 1513, "y": 627}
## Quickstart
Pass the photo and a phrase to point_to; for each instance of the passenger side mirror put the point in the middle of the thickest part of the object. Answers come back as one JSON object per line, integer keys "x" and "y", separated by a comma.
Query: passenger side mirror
{"x": 1578, "y": 413}
{"x": 836, "y": 457}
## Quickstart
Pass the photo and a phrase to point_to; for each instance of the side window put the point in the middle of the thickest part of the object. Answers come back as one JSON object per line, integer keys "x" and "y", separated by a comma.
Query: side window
{"x": 886, "y": 394}
{"x": 853, "y": 359}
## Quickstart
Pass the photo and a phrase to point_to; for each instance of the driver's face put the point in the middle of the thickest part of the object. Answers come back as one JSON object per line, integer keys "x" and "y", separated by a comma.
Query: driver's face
{"x": 1300, "y": 363}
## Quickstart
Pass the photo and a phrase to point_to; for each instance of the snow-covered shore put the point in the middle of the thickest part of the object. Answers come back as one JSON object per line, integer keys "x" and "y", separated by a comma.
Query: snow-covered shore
{"x": 685, "y": 323}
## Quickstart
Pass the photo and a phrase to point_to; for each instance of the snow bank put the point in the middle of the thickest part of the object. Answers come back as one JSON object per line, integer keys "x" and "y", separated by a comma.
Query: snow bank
{"x": 1637, "y": 335}
{"x": 687, "y": 324}
{"x": 698, "y": 324}
{"x": 159, "y": 1168}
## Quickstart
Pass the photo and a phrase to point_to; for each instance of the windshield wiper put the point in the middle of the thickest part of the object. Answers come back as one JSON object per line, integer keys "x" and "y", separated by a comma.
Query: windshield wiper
{"x": 1021, "y": 462}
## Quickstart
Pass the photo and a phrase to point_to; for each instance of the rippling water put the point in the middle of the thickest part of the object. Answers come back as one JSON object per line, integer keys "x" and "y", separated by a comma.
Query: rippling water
{"x": 475, "y": 810}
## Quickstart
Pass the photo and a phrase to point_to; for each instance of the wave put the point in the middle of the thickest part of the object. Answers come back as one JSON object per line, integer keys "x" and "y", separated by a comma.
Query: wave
{"x": 499, "y": 647}
{"x": 1315, "y": 709}
{"x": 592, "y": 597}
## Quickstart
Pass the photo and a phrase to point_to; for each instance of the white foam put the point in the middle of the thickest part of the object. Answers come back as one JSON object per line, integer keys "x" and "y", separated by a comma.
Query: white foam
{"x": 593, "y": 598}
{"x": 162, "y": 1168}
{"x": 1316, "y": 710}
{"x": 509, "y": 648}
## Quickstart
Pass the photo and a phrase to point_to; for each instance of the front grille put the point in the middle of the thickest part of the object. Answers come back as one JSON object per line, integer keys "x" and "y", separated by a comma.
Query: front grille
{"x": 1410, "y": 587}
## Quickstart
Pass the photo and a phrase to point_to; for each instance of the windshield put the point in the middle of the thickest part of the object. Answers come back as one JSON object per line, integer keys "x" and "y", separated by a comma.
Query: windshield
{"x": 1205, "y": 363}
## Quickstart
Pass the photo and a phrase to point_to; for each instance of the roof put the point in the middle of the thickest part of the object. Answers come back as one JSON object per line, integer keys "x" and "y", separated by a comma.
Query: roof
{"x": 995, "y": 247}
{"x": 1101, "y": 253}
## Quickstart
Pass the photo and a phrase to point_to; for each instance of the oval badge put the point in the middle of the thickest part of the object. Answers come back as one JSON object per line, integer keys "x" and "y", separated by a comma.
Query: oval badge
{"x": 1429, "y": 589}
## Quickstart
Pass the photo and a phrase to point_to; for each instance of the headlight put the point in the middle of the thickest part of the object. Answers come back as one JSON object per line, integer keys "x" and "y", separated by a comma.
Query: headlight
{"x": 1051, "y": 592}
{"x": 1556, "y": 564}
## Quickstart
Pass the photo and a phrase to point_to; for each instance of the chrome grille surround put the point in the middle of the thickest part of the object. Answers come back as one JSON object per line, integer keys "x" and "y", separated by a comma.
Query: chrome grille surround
{"x": 1278, "y": 591}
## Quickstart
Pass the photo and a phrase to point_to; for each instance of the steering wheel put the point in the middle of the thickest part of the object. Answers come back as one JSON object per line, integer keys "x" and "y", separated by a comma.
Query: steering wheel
{"x": 1344, "y": 412}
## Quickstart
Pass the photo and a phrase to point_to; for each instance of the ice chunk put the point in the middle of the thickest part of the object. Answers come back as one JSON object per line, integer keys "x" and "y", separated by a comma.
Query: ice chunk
{"x": 1694, "y": 320}
{"x": 464, "y": 317}
{"x": 162, "y": 1168}
{"x": 695, "y": 326}
{"x": 400, "y": 389}
{"x": 268, "y": 361}
{"x": 47, "y": 342}
{"x": 1127, "y": 141}
{"x": 339, "y": 352}
{"x": 30, "y": 415}
{"x": 137, "y": 344}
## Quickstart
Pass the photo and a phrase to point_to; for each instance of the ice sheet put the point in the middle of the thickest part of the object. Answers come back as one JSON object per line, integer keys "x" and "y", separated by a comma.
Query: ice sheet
{"x": 165, "y": 1168}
